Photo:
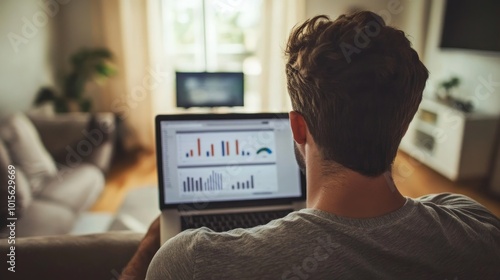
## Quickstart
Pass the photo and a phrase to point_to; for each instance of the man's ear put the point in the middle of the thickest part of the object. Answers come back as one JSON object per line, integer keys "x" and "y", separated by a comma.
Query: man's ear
{"x": 299, "y": 127}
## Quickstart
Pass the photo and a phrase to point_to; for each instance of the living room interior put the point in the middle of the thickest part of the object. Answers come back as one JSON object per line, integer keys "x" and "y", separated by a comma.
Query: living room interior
{"x": 93, "y": 129}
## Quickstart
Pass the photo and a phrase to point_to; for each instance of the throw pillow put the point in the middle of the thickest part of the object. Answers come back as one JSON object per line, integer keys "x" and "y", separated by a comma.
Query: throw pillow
{"x": 26, "y": 150}
{"x": 22, "y": 190}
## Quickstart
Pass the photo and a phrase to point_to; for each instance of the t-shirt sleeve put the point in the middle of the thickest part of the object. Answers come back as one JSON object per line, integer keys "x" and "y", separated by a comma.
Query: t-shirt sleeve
{"x": 464, "y": 205}
{"x": 175, "y": 259}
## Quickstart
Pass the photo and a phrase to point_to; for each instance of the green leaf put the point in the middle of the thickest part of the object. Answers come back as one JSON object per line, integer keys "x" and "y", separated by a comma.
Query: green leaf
{"x": 45, "y": 94}
{"x": 86, "y": 64}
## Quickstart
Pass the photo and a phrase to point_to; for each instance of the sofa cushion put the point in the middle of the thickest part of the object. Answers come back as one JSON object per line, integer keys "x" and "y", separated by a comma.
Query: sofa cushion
{"x": 72, "y": 126}
{"x": 45, "y": 218}
{"x": 88, "y": 138}
{"x": 77, "y": 188}
{"x": 26, "y": 150}
{"x": 96, "y": 256}
{"x": 23, "y": 196}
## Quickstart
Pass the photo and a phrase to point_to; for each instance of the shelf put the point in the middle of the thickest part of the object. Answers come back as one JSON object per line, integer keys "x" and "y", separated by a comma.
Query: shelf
{"x": 425, "y": 127}
{"x": 458, "y": 145}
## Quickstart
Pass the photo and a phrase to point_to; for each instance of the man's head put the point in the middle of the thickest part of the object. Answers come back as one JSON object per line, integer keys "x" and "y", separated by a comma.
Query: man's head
{"x": 357, "y": 83}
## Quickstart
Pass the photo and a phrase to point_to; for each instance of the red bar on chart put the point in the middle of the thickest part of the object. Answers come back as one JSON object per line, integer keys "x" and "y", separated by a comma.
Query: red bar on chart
{"x": 212, "y": 149}
{"x": 191, "y": 152}
{"x": 237, "y": 148}
{"x": 199, "y": 147}
{"x": 227, "y": 148}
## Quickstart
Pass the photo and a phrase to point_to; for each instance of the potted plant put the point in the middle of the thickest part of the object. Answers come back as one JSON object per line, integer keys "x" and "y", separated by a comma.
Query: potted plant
{"x": 445, "y": 95}
{"x": 86, "y": 65}
{"x": 446, "y": 88}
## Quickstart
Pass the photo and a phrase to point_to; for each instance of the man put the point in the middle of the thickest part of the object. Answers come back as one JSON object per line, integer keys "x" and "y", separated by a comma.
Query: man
{"x": 355, "y": 85}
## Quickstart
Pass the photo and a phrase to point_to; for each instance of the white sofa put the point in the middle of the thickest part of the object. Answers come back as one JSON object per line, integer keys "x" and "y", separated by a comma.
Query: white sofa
{"x": 60, "y": 162}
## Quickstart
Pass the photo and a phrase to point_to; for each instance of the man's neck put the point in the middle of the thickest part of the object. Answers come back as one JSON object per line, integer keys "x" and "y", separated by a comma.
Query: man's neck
{"x": 352, "y": 194}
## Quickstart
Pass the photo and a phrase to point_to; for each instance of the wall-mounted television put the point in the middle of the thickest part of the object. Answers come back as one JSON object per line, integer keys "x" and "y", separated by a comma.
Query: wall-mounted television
{"x": 471, "y": 25}
{"x": 209, "y": 89}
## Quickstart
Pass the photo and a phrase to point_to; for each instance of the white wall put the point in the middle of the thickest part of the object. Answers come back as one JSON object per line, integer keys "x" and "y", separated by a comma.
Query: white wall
{"x": 25, "y": 37}
{"x": 473, "y": 67}
{"x": 56, "y": 29}
{"x": 74, "y": 31}
{"x": 77, "y": 26}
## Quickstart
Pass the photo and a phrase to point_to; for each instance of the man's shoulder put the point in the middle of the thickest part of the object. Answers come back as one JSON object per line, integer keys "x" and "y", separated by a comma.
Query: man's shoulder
{"x": 460, "y": 207}
{"x": 199, "y": 247}
{"x": 207, "y": 239}
{"x": 449, "y": 199}
{"x": 453, "y": 201}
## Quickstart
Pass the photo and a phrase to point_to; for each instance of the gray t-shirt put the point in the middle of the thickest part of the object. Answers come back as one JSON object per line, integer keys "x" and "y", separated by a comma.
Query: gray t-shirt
{"x": 445, "y": 236}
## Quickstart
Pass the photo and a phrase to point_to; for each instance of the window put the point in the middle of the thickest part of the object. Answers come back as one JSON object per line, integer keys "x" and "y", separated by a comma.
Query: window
{"x": 213, "y": 35}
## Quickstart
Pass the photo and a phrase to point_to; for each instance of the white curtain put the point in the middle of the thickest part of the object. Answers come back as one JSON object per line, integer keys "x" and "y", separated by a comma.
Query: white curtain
{"x": 279, "y": 17}
{"x": 124, "y": 27}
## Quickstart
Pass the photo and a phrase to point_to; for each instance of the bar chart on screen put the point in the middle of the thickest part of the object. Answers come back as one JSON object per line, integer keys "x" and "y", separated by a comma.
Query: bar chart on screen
{"x": 221, "y": 148}
{"x": 228, "y": 180}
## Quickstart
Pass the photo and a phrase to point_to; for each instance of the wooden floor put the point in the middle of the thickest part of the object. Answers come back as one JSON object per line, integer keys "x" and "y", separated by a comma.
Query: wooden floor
{"x": 412, "y": 178}
{"x": 129, "y": 172}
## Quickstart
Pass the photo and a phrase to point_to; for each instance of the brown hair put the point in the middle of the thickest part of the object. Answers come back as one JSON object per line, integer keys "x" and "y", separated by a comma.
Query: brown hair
{"x": 358, "y": 84}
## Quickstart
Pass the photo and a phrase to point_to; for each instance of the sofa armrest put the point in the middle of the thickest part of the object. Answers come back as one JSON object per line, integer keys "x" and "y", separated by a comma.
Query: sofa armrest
{"x": 74, "y": 138}
{"x": 95, "y": 256}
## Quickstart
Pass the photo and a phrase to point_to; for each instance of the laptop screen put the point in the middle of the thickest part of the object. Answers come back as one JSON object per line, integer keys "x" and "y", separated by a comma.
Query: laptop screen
{"x": 221, "y": 158}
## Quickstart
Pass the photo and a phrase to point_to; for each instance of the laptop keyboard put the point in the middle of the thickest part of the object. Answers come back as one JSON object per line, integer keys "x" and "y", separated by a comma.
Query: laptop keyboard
{"x": 225, "y": 222}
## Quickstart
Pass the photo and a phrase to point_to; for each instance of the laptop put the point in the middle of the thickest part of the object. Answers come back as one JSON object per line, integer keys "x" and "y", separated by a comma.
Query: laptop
{"x": 225, "y": 171}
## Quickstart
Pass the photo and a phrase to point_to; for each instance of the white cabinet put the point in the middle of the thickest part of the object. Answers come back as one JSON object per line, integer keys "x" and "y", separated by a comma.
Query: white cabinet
{"x": 456, "y": 144}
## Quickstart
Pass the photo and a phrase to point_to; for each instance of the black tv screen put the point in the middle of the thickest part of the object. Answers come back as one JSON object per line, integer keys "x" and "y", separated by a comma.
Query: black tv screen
{"x": 472, "y": 25}
{"x": 209, "y": 89}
